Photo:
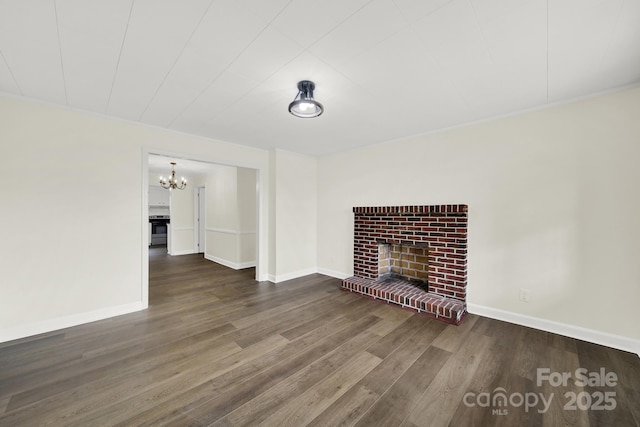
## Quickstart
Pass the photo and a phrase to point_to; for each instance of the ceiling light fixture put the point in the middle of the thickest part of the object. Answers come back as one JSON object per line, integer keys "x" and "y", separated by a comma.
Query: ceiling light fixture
{"x": 303, "y": 104}
{"x": 173, "y": 182}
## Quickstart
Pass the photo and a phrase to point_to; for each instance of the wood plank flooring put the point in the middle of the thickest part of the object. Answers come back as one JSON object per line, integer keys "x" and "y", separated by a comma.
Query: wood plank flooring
{"x": 216, "y": 348}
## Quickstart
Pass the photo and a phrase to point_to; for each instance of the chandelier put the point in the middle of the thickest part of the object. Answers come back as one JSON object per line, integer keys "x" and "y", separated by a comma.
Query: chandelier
{"x": 172, "y": 182}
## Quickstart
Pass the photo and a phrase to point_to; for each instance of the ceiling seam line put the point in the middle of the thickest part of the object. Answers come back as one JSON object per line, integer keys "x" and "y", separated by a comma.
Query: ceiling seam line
{"x": 229, "y": 64}
{"x": 438, "y": 63}
{"x": 64, "y": 80}
{"x": 337, "y": 25}
{"x": 436, "y": 10}
{"x": 404, "y": 27}
{"x": 176, "y": 60}
{"x": 614, "y": 32}
{"x": 115, "y": 73}
{"x": 11, "y": 72}
{"x": 484, "y": 41}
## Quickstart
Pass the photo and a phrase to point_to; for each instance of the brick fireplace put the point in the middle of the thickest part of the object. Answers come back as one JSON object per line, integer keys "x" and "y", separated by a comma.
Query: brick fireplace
{"x": 414, "y": 257}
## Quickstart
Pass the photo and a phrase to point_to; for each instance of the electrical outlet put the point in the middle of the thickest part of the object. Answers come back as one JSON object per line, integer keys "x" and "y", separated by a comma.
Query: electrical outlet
{"x": 524, "y": 295}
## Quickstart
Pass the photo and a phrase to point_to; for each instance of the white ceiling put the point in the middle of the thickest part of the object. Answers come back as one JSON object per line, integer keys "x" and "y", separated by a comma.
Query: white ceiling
{"x": 161, "y": 166}
{"x": 384, "y": 69}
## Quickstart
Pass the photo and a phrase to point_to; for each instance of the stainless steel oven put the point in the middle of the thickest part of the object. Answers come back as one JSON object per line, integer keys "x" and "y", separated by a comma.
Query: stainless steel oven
{"x": 159, "y": 229}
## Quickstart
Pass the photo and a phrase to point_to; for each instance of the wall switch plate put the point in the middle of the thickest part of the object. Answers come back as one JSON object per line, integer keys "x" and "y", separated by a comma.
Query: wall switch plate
{"x": 524, "y": 295}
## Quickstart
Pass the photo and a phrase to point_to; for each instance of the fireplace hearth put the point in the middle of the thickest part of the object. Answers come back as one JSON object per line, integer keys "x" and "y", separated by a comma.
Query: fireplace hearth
{"x": 412, "y": 256}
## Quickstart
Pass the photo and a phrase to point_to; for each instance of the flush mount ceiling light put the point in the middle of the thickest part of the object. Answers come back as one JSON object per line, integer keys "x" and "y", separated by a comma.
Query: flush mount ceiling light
{"x": 303, "y": 104}
{"x": 173, "y": 182}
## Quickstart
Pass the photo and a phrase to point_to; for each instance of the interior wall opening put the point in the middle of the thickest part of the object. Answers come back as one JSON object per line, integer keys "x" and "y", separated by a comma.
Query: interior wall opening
{"x": 217, "y": 214}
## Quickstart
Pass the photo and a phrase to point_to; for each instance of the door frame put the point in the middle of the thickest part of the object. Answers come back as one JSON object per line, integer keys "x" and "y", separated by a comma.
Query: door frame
{"x": 261, "y": 214}
{"x": 200, "y": 218}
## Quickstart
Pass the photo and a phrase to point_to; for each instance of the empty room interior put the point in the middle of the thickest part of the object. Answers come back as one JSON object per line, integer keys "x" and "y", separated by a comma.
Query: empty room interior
{"x": 286, "y": 212}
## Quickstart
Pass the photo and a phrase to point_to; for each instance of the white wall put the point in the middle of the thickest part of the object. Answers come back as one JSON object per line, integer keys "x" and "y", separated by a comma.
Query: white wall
{"x": 247, "y": 221}
{"x": 231, "y": 217}
{"x": 271, "y": 217}
{"x": 181, "y": 227}
{"x": 222, "y": 216}
{"x": 553, "y": 201}
{"x": 74, "y": 242}
{"x": 293, "y": 220}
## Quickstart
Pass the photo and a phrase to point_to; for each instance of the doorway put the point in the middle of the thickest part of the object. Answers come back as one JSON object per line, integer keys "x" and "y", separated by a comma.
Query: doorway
{"x": 200, "y": 210}
{"x": 192, "y": 237}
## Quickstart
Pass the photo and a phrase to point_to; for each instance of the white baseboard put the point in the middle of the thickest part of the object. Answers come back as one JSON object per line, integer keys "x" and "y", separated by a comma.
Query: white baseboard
{"x": 596, "y": 337}
{"x": 293, "y": 275}
{"x": 246, "y": 265}
{"x": 332, "y": 273}
{"x": 44, "y": 326}
{"x": 300, "y": 273}
{"x": 185, "y": 252}
{"x": 230, "y": 264}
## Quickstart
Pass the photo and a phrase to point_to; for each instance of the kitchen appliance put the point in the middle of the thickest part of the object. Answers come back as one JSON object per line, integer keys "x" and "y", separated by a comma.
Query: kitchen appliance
{"x": 159, "y": 225}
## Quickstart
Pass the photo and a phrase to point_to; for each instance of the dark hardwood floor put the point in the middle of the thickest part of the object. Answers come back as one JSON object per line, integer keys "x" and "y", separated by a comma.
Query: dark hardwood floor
{"x": 217, "y": 348}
